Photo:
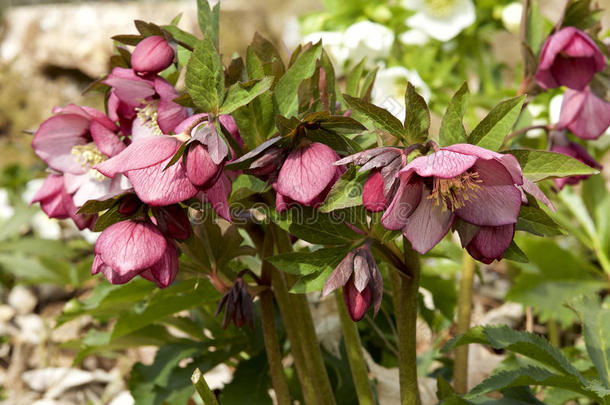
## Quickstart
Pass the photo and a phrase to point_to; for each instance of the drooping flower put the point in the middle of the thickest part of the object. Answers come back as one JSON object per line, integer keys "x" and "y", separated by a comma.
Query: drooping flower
{"x": 583, "y": 113}
{"x": 145, "y": 162}
{"x": 152, "y": 55}
{"x": 172, "y": 221}
{"x": 361, "y": 280}
{"x": 576, "y": 151}
{"x": 461, "y": 184}
{"x": 569, "y": 58}
{"x": 135, "y": 247}
{"x": 390, "y": 87}
{"x": 238, "y": 306}
{"x": 72, "y": 142}
{"x": 306, "y": 175}
{"x": 148, "y": 98}
{"x": 441, "y": 19}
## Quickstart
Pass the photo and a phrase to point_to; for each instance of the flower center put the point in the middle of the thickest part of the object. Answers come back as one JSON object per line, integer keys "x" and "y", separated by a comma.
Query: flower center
{"x": 88, "y": 156}
{"x": 148, "y": 117}
{"x": 454, "y": 193}
{"x": 440, "y": 8}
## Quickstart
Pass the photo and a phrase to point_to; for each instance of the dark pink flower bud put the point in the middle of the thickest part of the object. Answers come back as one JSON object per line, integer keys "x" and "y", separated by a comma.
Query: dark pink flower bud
{"x": 130, "y": 248}
{"x": 361, "y": 280}
{"x": 577, "y": 152}
{"x": 583, "y": 113}
{"x": 129, "y": 204}
{"x": 152, "y": 55}
{"x": 173, "y": 221}
{"x": 372, "y": 193}
{"x": 569, "y": 58}
{"x": 238, "y": 306}
{"x": 200, "y": 168}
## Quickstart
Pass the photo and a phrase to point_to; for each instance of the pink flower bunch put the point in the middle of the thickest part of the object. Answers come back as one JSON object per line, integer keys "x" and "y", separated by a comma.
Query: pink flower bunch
{"x": 571, "y": 58}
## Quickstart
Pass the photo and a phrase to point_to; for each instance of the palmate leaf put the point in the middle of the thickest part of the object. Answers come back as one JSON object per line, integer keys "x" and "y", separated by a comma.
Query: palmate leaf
{"x": 241, "y": 94}
{"x": 526, "y": 376}
{"x": 205, "y": 76}
{"x": 452, "y": 129}
{"x": 524, "y": 343}
{"x": 306, "y": 263}
{"x": 346, "y": 192}
{"x": 539, "y": 165}
{"x": 375, "y": 117}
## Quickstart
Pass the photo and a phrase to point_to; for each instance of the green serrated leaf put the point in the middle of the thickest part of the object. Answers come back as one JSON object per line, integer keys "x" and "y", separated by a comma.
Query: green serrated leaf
{"x": 353, "y": 79}
{"x": 241, "y": 94}
{"x": 205, "y": 76}
{"x": 208, "y": 20}
{"x": 183, "y": 38}
{"x": 452, "y": 130}
{"x": 596, "y": 325}
{"x": 515, "y": 253}
{"x": 375, "y": 117}
{"x": 286, "y": 90}
{"x": 245, "y": 185}
{"x": 539, "y": 165}
{"x": 492, "y": 130}
{"x": 525, "y": 376}
{"x": 315, "y": 227}
{"x": 534, "y": 220}
{"x": 417, "y": 116}
{"x": 306, "y": 263}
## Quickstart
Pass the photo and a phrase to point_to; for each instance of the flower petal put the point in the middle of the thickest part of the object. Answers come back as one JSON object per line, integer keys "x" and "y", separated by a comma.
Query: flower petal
{"x": 428, "y": 224}
{"x": 55, "y": 138}
{"x": 130, "y": 246}
{"x": 107, "y": 141}
{"x": 144, "y": 152}
{"x": 156, "y": 185}
{"x": 200, "y": 168}
{"x": 164, "y": 272}
{"x": 491, "y": 242}
{"x": 444, "y": 164}
{"x": 217, "y": 197}
{"x": 497, "y": 200}
{"x": 405, "y": 202}
{"x": 306, "y": 172}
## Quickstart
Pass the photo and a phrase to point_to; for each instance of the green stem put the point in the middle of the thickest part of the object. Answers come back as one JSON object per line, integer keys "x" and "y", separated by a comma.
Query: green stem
{"x": 353, "y": 347}
{"x": 405, "y": 294}
{"x": 553, "y": 332}
{"x": 272, "y": 345}
{"x": 285, "y": 304}
{"x": 203, "y": 389}
{"x": 464, "y": 305}
{"x": 309, "y": 340}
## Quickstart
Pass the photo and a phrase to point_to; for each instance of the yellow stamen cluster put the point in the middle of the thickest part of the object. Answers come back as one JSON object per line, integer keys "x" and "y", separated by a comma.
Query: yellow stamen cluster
{"x": 88, "y": 156}
{"x": 148, "y": 117}
{"x": 454, "y": 193}
{"x": 440, "y": 8}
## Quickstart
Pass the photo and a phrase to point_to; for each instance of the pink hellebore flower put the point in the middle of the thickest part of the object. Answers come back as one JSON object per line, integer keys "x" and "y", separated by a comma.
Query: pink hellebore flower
{"x": 361, "y": 280}
{"x": 307, "y": 175}
{"x": 71, "y": 143}
{"x": 476, "y": 190}
{"x": 583, "y": 113}
{"x": 152, "y": 55}
{"x": 130, "y": 248}
{"x": 569, "y": 58}
{"x": 148, "y": 98}
{"x": 144, "y": 163}
{"x": 577, "y": 152}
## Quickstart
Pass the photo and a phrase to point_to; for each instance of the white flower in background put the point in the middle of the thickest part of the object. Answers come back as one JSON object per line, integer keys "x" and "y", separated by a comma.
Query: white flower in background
{"x": 555, "y": 108}
{"x": 333, "y": 45}
{"x": 390, "y": 88}
{"x": 535, "y": 111}
{"x": 440, "y": 19}
{"x": 291, "y": 34}
{"x": 511, "y": 17}
{"x": 368, "y": 39}
{"x": 31, "y": 188}
{"x": 414, "y": 37}
{"x": 45, "y": 227}
{"x": 6, "y": 210}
